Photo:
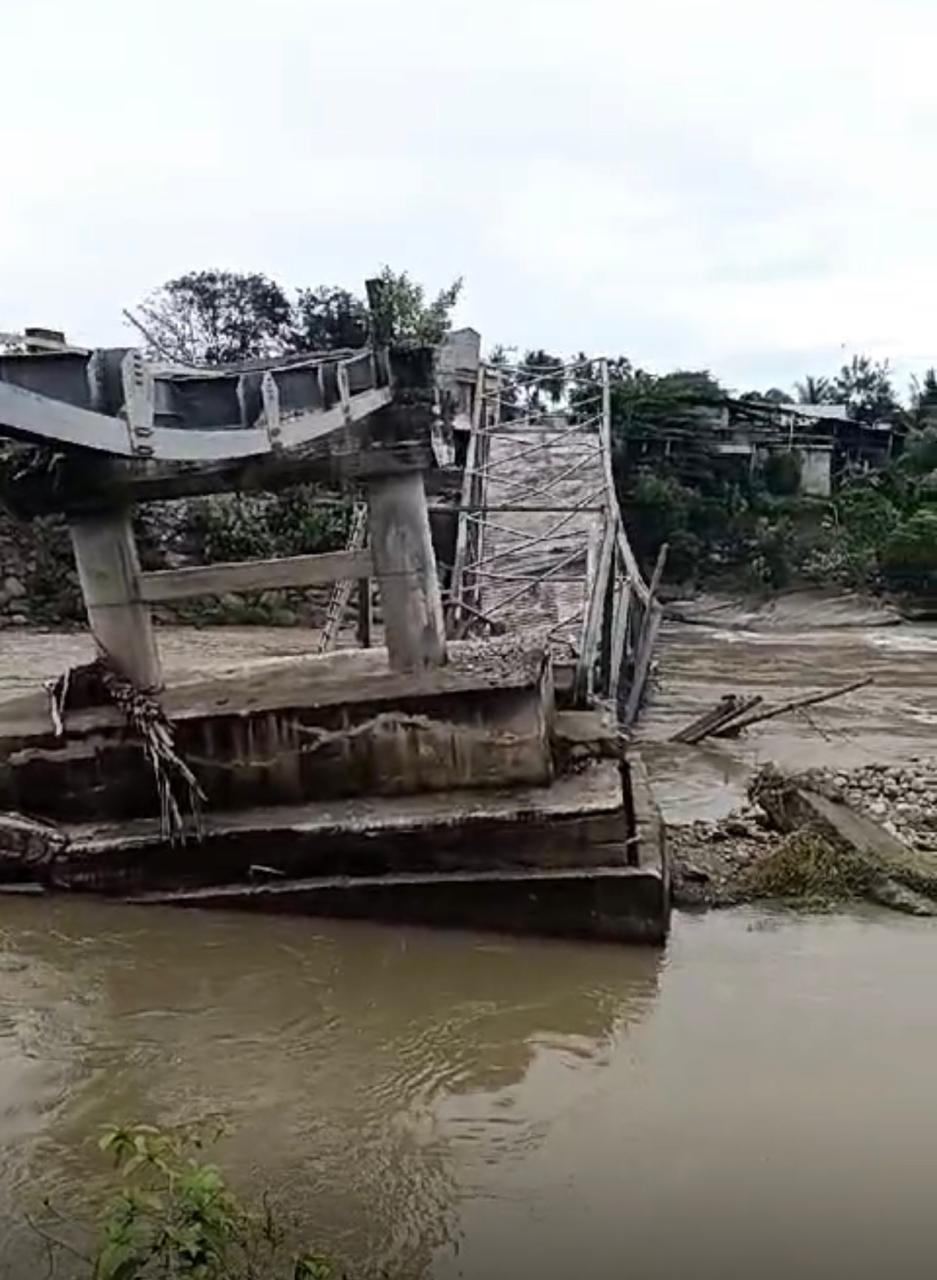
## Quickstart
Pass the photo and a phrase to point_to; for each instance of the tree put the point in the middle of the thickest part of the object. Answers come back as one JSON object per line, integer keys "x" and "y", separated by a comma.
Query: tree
{"x": 814, "y": 391}
{"x": 774, "y": 395}
{"x": 405, "y": 313}
{"x": 218, "y": 317}
{"x": 543, "y": 377}
{"x": 326, "y": 318}
{"x": 924, "y": 399}
{"x": 865, "y": 386}
{"x": 222, "y": 317}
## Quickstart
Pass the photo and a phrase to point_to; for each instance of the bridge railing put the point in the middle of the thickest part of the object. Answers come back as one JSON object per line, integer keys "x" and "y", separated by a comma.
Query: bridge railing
{"x": 541, "y": 543}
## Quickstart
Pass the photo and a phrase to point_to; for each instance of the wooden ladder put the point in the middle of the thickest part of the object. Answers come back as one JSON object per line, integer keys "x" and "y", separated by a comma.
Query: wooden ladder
{"x": 341, "y": 591}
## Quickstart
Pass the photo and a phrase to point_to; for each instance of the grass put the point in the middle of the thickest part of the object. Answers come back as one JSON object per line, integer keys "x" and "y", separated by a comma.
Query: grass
{"x": 807, "y": 870}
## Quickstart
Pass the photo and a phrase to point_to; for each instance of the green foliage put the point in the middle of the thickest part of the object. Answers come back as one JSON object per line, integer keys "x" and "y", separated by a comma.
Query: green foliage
{"x": 325, "y": 318}
{"x": 543, "y": 375}
{"x": 866, "y": 514}
{"x": 218, "y": 317}
{"x": 909, "y": 556}
{"x": 858, "y": 522}
{"x": 173, "y": 1215}
{"x": 658, "y": 509}
{"x": 222, "y": 317}
{"x": 924, "y": 399}
{"x": 770, "y": 561}
{"x": 300, "y": 523}
{"x": 405, "y": 312}
{"x": 782, "y": 473}
{"x": 866, "y": 387}
{"x": 774, "y": 395}
{"x": 719, "y": 519}
{"x": 815, "y": 391}
{"x": 920, "y": 453}
{"x": 808, "y": 870}
{"x": 261, "y": 526}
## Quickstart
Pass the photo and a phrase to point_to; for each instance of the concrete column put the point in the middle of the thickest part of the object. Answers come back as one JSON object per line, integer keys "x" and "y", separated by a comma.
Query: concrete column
{"x": 405, "y": 568}
{"x": 109, "y": 570}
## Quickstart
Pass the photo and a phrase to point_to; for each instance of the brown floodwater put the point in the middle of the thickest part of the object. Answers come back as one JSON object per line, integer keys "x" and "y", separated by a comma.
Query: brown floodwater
{"x": 756, "y": 1099}
{"x": 791, "y": 651}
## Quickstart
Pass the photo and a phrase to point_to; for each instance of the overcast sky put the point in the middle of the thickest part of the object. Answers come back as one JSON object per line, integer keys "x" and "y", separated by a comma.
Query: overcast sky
{"x": 745, "y": 185}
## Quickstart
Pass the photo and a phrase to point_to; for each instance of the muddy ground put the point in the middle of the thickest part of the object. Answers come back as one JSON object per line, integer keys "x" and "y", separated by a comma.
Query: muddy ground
{"x": 873, "y": 748}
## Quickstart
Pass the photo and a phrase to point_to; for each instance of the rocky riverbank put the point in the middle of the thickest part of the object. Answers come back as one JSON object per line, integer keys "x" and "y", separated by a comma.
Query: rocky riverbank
{"x": 818, "y": 837}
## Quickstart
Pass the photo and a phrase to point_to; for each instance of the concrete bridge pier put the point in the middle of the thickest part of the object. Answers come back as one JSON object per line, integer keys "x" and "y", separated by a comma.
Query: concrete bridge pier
{"x": 109, "y": 573}
{"x": 405, "y": 568}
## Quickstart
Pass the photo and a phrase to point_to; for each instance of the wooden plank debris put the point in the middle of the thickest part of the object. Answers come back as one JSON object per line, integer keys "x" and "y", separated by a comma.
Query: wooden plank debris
{"x": 727, "y": 709}
{"x": 795, "y": 704}
{"x": 732, "y": 713}
{"x": 650, "y": 625}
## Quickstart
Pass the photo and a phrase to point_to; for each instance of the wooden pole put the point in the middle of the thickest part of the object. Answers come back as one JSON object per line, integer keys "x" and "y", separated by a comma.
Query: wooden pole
{"x": 365, "y": 613}
{"x": 721, "y": 718}
{"x": 405, "y": 568}
{"x": 642, "y": 664}
{"x": 650, "y": 625}
{"x": 811, "y": 700}
{"x": 109, "y": 573}
{"x": 708, "y": 718}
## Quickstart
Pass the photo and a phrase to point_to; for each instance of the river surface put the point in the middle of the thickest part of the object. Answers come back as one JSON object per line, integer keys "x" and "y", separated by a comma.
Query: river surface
{"x": 758, "y": 1099}
{"x": 798, "y": 645}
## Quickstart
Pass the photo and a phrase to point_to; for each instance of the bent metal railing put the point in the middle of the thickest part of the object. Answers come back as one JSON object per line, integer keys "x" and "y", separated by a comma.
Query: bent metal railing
{"x": 116, "y": 401}
{"x": 541, "y": 545}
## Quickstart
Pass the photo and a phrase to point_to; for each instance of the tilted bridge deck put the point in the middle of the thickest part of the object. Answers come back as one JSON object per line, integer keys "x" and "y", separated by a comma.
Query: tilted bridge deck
{"x": 115, "y": 401}
{"x": 541, "y": 545}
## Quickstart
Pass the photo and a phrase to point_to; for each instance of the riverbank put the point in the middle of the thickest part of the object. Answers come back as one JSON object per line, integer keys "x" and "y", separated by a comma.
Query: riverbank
{"x": 754, "y": 854}
{"x": 872, "y": 749}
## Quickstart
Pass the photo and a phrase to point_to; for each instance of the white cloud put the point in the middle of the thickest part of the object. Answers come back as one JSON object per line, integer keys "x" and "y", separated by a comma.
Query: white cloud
{"x": 739, "y": 183}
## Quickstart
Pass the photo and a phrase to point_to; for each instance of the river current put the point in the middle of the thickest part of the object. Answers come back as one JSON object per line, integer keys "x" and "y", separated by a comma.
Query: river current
{"x": 756, "y": 1099}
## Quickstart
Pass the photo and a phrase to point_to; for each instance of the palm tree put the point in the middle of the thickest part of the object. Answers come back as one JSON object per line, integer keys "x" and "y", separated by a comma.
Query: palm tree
{"x": 814, "y": 390}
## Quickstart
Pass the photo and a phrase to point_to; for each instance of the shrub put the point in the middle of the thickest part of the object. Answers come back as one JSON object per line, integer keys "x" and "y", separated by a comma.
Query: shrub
{"x": 807, "y": 869}
{"x": 233, "y": 527}
{"x": 173, "y": 1215}
{"x": 656, "y": 509}
{"x": 920, "y": 454}
{"x": 782, "y": 473}
{"x": 300, "y": 525}
{"x": 909, "y": 555}
{"x": 684, "y": 554}
{"x": 261, "y": 526}
{"x": 771, "y": 563}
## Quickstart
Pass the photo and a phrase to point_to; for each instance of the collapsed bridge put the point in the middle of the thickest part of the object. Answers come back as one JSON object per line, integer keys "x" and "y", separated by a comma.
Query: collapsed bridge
{"x": 468, "y": 769}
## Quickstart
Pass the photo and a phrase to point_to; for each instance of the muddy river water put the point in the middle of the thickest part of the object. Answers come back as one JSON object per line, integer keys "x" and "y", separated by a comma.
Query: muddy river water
{"x": 757, "y": 1099}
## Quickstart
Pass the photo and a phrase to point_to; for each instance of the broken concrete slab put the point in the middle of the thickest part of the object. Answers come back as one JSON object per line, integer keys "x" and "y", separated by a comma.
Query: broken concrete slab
{"x": 317, "y": 728}
{"x": 620, "y": 904}
{"x": 579, "y": 821}
{"x": 792, "y": 808}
